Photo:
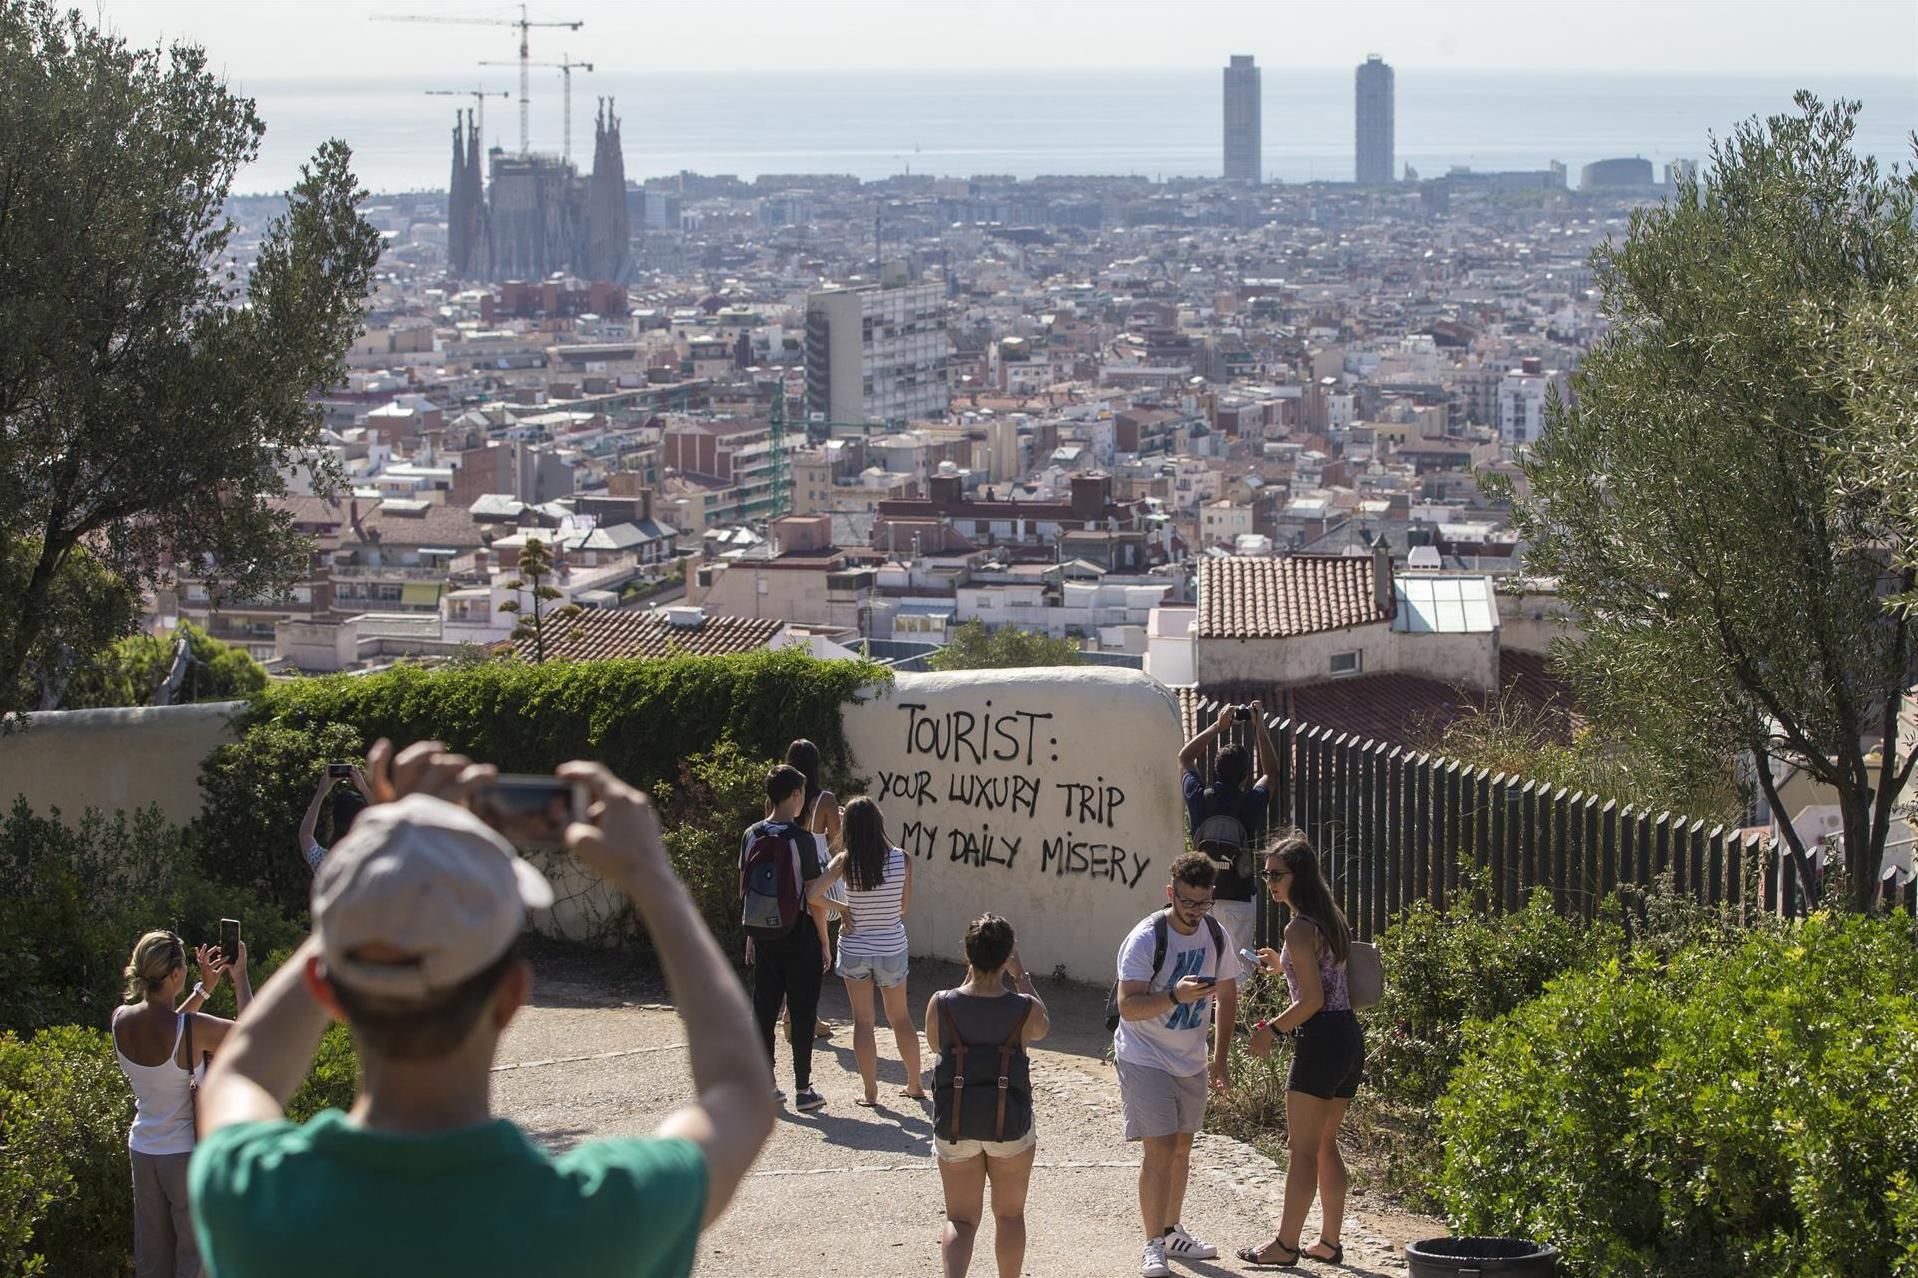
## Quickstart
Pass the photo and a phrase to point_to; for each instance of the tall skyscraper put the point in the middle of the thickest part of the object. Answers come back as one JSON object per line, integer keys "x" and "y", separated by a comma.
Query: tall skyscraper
{"x": 1374, "y": 83}
{"x": 1242, "y": 120}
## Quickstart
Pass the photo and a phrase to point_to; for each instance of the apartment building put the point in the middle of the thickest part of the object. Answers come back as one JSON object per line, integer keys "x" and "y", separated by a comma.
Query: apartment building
{"x": 878, "y": 353}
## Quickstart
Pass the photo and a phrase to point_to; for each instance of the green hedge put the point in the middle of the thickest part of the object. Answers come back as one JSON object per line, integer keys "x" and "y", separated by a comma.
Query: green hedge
{"x": 1723, "y": 1112}
{"x": 660, "y": 725}
{"x": 640, "y": 718}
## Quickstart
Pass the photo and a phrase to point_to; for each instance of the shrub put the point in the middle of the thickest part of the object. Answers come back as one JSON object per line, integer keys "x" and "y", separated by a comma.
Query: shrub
{"x": 705, "y": 814}
{"x": 65, "y": 1182}
{"x": 1743, "y": 1111}
{"x": 1447, "y": 967}
{"x": 66, "y": 1205}
{"x": 254, "y": 792}
{"x": 132, "y": 670}
{"x": 642, "y": 719}
{"x": 73, "y": 899}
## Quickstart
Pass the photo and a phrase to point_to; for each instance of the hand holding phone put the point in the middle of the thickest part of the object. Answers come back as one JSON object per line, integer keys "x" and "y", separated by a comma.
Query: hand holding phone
{"x": 530, "y": 811}
{"x": 1251, "y": 959}
{"x": 340, "y": 771}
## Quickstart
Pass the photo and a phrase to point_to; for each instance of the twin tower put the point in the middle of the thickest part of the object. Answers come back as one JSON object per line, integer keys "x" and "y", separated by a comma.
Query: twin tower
{"x": 1244, "y": 139}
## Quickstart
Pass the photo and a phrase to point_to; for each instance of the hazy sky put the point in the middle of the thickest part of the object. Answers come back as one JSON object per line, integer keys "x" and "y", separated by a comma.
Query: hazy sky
{"x": 330, "y": 38}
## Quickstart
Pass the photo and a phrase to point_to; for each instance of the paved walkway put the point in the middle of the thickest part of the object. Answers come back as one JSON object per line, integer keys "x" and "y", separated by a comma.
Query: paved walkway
{"x": 856, "y": 1191}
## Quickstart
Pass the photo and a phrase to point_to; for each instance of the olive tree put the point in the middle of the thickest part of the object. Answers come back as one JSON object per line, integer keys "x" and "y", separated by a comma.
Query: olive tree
{"x": 149, "y": 396}
{"x": 1705, "y": 500}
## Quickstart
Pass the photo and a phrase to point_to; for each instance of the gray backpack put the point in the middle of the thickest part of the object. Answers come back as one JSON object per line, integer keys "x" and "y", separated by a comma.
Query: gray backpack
{"x": 1223, "y": 837}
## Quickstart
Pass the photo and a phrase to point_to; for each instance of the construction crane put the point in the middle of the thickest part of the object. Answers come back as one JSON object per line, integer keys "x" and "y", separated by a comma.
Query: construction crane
{"x": 479, "y": 97}
{"x": 781, "y": 478}
{"x": 522, "y": 22}
{"x": 565, "y": 66}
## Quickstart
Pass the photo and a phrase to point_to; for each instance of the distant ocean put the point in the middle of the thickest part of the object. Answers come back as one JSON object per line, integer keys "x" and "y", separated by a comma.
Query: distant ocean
{"x": 1159, "y": 123}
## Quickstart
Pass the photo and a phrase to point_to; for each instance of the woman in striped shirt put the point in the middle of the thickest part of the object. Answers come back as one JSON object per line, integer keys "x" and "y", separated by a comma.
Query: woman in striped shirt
{"x": 873, "y": 952}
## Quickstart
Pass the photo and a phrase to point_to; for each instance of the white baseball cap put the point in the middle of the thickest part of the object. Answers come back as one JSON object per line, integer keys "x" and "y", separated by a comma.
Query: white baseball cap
{"x": 429, "y": 880}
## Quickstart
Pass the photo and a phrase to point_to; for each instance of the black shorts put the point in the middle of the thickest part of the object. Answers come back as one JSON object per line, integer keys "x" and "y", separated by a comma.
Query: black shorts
{"x": 1328, "y": 1056}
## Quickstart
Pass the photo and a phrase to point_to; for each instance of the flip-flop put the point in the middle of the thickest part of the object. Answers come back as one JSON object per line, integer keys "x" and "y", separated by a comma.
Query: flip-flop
{"x": 1336, "y": 1258}
{"x": 1250, "y": 1255}
{"x": 866, "y": 1104}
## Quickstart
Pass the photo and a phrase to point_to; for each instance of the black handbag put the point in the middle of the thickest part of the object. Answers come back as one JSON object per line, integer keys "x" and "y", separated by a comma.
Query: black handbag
{"x": 1004, "y": 1113}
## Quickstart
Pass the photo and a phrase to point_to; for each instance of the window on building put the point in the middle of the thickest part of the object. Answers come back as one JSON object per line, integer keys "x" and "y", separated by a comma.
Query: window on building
{"x": 1345, "y": 663}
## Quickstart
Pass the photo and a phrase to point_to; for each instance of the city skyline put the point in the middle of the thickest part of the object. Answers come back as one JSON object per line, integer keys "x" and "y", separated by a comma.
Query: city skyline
{"x": 1704, "y": 37}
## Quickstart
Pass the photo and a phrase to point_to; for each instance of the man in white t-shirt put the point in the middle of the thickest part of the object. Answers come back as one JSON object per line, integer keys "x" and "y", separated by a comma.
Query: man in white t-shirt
{"x": 1160, "y": 1048}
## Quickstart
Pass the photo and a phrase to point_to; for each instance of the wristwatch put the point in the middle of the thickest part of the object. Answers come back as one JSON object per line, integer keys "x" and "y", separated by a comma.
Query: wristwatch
{"x": 199, "y": 987}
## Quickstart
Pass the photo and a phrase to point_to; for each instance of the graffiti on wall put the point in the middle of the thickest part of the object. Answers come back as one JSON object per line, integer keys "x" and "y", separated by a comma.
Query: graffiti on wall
{"x": 962, "y": 770}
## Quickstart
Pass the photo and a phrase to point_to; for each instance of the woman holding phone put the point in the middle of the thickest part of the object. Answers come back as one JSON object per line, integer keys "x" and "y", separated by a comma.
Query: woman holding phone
{"x": 160, "y": 1042}
{"x": 1327, "y": 1060}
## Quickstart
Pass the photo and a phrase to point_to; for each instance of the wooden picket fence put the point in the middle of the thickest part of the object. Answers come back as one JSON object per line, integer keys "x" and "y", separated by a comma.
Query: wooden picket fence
{"x": 1393, "y": 826}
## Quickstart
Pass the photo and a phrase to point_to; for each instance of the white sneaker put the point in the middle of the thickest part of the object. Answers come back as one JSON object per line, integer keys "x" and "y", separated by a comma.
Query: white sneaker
{"x": 1180, "y": 1245}
{"x": 1152, "y": 1263}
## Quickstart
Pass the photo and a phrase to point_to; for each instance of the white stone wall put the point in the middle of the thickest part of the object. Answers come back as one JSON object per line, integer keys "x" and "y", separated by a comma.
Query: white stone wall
{"x": 1468, "y": 660}
{"x": 1049, "y": 796}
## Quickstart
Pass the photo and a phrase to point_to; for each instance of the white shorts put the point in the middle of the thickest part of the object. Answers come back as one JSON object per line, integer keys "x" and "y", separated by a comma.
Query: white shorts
{"x": 1240, "y": 921}
{"x": 948, "y": 1151}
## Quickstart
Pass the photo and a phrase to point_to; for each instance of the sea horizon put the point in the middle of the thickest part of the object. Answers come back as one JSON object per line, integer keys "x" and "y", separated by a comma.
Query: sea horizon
{"x": 1157, "y": 123}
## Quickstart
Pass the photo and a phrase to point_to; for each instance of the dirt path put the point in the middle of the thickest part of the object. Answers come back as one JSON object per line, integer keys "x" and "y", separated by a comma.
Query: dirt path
{"x": 856, "y": 1191}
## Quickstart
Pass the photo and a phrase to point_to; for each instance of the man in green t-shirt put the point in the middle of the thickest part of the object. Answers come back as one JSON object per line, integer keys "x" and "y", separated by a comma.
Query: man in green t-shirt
{"x": 416, "y": 919}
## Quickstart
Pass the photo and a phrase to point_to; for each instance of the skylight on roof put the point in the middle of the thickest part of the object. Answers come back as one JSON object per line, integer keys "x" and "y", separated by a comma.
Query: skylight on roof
{"x": 1445, "y": 606}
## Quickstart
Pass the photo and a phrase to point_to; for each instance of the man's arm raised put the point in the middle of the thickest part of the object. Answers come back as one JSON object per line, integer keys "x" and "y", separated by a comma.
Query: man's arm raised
{"x": 733, "y": 1113}
{"x": 267, "y": 1053}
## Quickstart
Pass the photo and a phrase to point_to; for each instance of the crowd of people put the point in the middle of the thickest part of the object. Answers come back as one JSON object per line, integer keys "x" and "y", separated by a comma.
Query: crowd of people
{"x": 417, "y": 913}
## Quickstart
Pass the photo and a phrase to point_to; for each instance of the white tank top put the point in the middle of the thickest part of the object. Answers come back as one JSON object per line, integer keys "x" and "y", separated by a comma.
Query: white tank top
{"x": 162, "y": 1101}
{"x": 836, "y": 894}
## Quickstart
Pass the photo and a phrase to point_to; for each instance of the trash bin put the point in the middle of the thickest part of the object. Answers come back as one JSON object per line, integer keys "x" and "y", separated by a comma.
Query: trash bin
{"x": 1505, "y": 1257}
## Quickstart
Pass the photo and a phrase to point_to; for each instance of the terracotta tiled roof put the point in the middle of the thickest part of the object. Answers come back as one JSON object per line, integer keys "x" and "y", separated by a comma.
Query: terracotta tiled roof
{"x": 1276, "y": 597}
{"x": 602, "y": 636}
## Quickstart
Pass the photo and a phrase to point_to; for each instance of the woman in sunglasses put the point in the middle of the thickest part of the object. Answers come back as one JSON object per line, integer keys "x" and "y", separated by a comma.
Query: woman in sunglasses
{"x": 1328, "y": 1057}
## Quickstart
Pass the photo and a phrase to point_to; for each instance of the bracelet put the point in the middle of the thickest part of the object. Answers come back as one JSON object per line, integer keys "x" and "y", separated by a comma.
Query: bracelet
{"x": 199, "y": 987}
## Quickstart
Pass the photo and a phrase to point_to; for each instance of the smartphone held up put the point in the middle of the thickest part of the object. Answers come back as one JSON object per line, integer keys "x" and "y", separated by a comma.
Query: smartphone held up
{"x": 230, "y": 940}
{"x": 530, "y": 811}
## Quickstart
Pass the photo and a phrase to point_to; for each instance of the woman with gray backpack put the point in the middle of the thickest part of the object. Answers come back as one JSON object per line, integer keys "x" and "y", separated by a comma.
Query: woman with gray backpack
{"x": 1326, "y": 973}
{"x": 982, "y": 1128}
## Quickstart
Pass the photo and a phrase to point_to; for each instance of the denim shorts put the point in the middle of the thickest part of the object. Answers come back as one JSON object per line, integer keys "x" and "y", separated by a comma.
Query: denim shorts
{"x": 884, "y": 970}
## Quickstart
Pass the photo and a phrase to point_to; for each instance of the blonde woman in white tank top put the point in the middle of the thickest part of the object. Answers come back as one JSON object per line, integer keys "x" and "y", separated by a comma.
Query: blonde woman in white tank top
{"x": 878, "y": 877}
{"x": 150, "y": 1046}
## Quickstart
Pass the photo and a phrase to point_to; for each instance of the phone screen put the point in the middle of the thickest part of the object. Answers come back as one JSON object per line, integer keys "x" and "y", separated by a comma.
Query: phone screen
{"x": 530, "y": 811}
{"x": 339, "y": 771}
{"x": 230, "y": 939}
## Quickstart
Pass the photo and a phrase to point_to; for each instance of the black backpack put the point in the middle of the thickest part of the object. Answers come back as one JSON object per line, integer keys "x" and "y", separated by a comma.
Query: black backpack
{"x": 1159, "y": 942}
{"x": 1222, "y": 836}
{"x": 1003, "y": 1113}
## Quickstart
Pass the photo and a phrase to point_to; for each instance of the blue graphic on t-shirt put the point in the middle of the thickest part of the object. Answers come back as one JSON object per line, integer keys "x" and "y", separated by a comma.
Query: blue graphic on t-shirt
{"x": 1187, "y": 1015}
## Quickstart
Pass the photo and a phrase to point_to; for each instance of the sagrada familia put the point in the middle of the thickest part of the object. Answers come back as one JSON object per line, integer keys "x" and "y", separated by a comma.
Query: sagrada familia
{"x": 537, "y": 215}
